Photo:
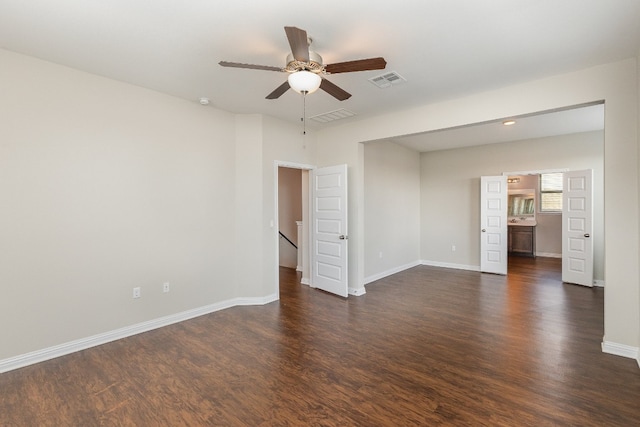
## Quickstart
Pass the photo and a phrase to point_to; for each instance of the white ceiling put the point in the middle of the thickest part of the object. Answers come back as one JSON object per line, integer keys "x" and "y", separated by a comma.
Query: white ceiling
{"x": 582, "y": 119}
{"x": 445, "y": 49}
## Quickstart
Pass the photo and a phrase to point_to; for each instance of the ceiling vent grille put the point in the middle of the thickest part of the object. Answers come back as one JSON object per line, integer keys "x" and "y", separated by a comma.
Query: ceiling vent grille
{"x": 387, "y": 79}
{"x": 333, "y": 115}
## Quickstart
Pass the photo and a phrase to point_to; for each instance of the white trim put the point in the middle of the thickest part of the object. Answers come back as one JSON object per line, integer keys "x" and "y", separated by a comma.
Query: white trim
{"x": 548, "y": 255}
{"x": 621, "y": 350}
{"x": 598, "y": 283}
{"x": 37, "y": 356}
{"x": 356, "y": 292}
{"x": 450, "y": 265}
{"x": 305, "y": 281}
{"x": 536, "y": 171}
{"x": 389, "y": 272}
{"x": 292, "y": 165}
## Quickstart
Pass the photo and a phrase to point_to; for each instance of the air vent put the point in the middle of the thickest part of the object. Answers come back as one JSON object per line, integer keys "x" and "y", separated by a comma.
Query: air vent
{"x": 387, "y": 79}
{"x": 333, "y": 115}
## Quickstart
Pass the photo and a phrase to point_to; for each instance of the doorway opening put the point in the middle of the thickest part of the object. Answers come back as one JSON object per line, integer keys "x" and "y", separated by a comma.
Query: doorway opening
{"x": 292, "y": 221}
{"x": 548, "y": 218}
{"x": 533, "y": 232}
{"x": 324, "y": 227}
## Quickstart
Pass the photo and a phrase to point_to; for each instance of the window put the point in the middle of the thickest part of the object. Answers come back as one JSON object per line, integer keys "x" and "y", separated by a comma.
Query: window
{"x": 551, "y": 192}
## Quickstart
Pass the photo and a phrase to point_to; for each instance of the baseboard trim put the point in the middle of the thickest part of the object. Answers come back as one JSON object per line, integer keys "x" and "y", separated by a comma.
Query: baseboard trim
{"x": 34, "y": 357}
{"x": 450, "y": 265}
{"x": 389, "y": 272}
{"x": 598, "y": 283}
{"x": 548, "y": 255}
{"x": 356, "y": 292}
{"x": 621, "y": 350}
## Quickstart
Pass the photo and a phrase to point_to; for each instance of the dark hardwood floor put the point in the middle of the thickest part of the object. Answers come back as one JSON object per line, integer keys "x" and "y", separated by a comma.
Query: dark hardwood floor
{"x": 428, "y": 346}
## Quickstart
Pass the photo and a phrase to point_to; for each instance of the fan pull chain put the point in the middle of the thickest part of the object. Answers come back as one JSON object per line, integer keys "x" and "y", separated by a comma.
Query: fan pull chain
{"x": 304, "y": 114}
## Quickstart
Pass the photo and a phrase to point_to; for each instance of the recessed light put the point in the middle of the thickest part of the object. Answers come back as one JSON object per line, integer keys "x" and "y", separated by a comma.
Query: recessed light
{"x": 204, "y": 101}
{"x": 509, "y": 122}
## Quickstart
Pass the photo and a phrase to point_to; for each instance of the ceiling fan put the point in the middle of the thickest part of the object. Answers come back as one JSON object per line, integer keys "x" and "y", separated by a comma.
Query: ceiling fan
{"x": 305, "y": 68}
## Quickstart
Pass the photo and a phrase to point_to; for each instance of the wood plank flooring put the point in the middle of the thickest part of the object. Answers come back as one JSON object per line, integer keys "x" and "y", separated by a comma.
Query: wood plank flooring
{"x": 428, "y": 346}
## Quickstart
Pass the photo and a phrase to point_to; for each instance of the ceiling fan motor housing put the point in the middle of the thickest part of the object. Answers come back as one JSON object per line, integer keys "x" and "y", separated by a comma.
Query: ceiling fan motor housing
{"x": 314, "y": 65}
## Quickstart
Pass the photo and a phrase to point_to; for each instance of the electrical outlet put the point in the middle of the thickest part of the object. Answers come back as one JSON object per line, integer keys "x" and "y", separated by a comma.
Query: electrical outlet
{"x": 136, "y": 292}
{"x": 165, "y": 287}
{"x": 453, "y": 248}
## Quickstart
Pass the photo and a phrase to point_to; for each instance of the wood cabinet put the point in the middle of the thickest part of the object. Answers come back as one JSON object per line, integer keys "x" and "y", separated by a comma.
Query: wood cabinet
{"x": 522, "y": 240}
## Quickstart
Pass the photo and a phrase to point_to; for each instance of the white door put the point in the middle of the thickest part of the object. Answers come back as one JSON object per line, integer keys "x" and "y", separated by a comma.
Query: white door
{"x": 493, "y": 224}
{"x": 329, "y": 229}
{"x": 577, "y": 228}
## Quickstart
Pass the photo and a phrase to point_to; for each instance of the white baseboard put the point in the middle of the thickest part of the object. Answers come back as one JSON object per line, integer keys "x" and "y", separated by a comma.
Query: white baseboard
{"x": 389, "y": 272}
{"x": 305, "y": 281}
{"x": 450, "y": 265}
{"x": 621, "y": 350}
{"x": 299, "y": 268}
{"x": 356, "y": 292}
{"x": 598, "y": 283}
{"x": 548, "y": 255}
{"x": 33, "y": 357}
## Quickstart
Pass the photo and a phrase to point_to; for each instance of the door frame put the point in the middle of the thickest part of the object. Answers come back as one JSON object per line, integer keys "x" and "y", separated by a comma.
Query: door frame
{"x": 306, "y": 212}
{"x": 537, "y": 172}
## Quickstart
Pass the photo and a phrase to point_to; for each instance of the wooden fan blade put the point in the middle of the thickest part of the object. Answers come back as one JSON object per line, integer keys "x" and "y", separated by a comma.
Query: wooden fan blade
{"x": 298, "y": 42}
{"x": 279, "y": 91}
{"x": 333, "y": 90}
{"x": 358, "y": 65}
{"x": 250, "y": 66}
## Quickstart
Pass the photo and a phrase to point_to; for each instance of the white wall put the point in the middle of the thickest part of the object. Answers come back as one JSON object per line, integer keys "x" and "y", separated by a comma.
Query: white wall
{"x": 391, "y": 209}
{"x": 450, "y": 183}
{"x": 615, "y": 83}
{"x": 289, "y": 211}
{"x": 106, "y": 186}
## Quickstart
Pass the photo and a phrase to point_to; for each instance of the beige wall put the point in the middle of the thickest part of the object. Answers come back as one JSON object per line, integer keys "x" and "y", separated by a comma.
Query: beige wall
{"x": 284, "y": 144}
{"x": 615, "y": 83}
{"x": 450, "y": 184}
{"x": 249, "y": 205}
{"x": 638, "y": 138}
{"x": 105, "y": 187}
{"x": 391, "y": 208}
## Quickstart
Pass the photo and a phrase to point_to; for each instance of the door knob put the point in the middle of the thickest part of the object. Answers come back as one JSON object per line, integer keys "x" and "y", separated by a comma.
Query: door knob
{"x": 587, "y": 235}
{"x": 484, "y": 231}
{"x": 343, "y": 237}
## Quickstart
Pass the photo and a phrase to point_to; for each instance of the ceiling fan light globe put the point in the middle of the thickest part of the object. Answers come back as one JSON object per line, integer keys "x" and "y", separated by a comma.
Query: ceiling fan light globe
{"x": 304, "y": 81}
